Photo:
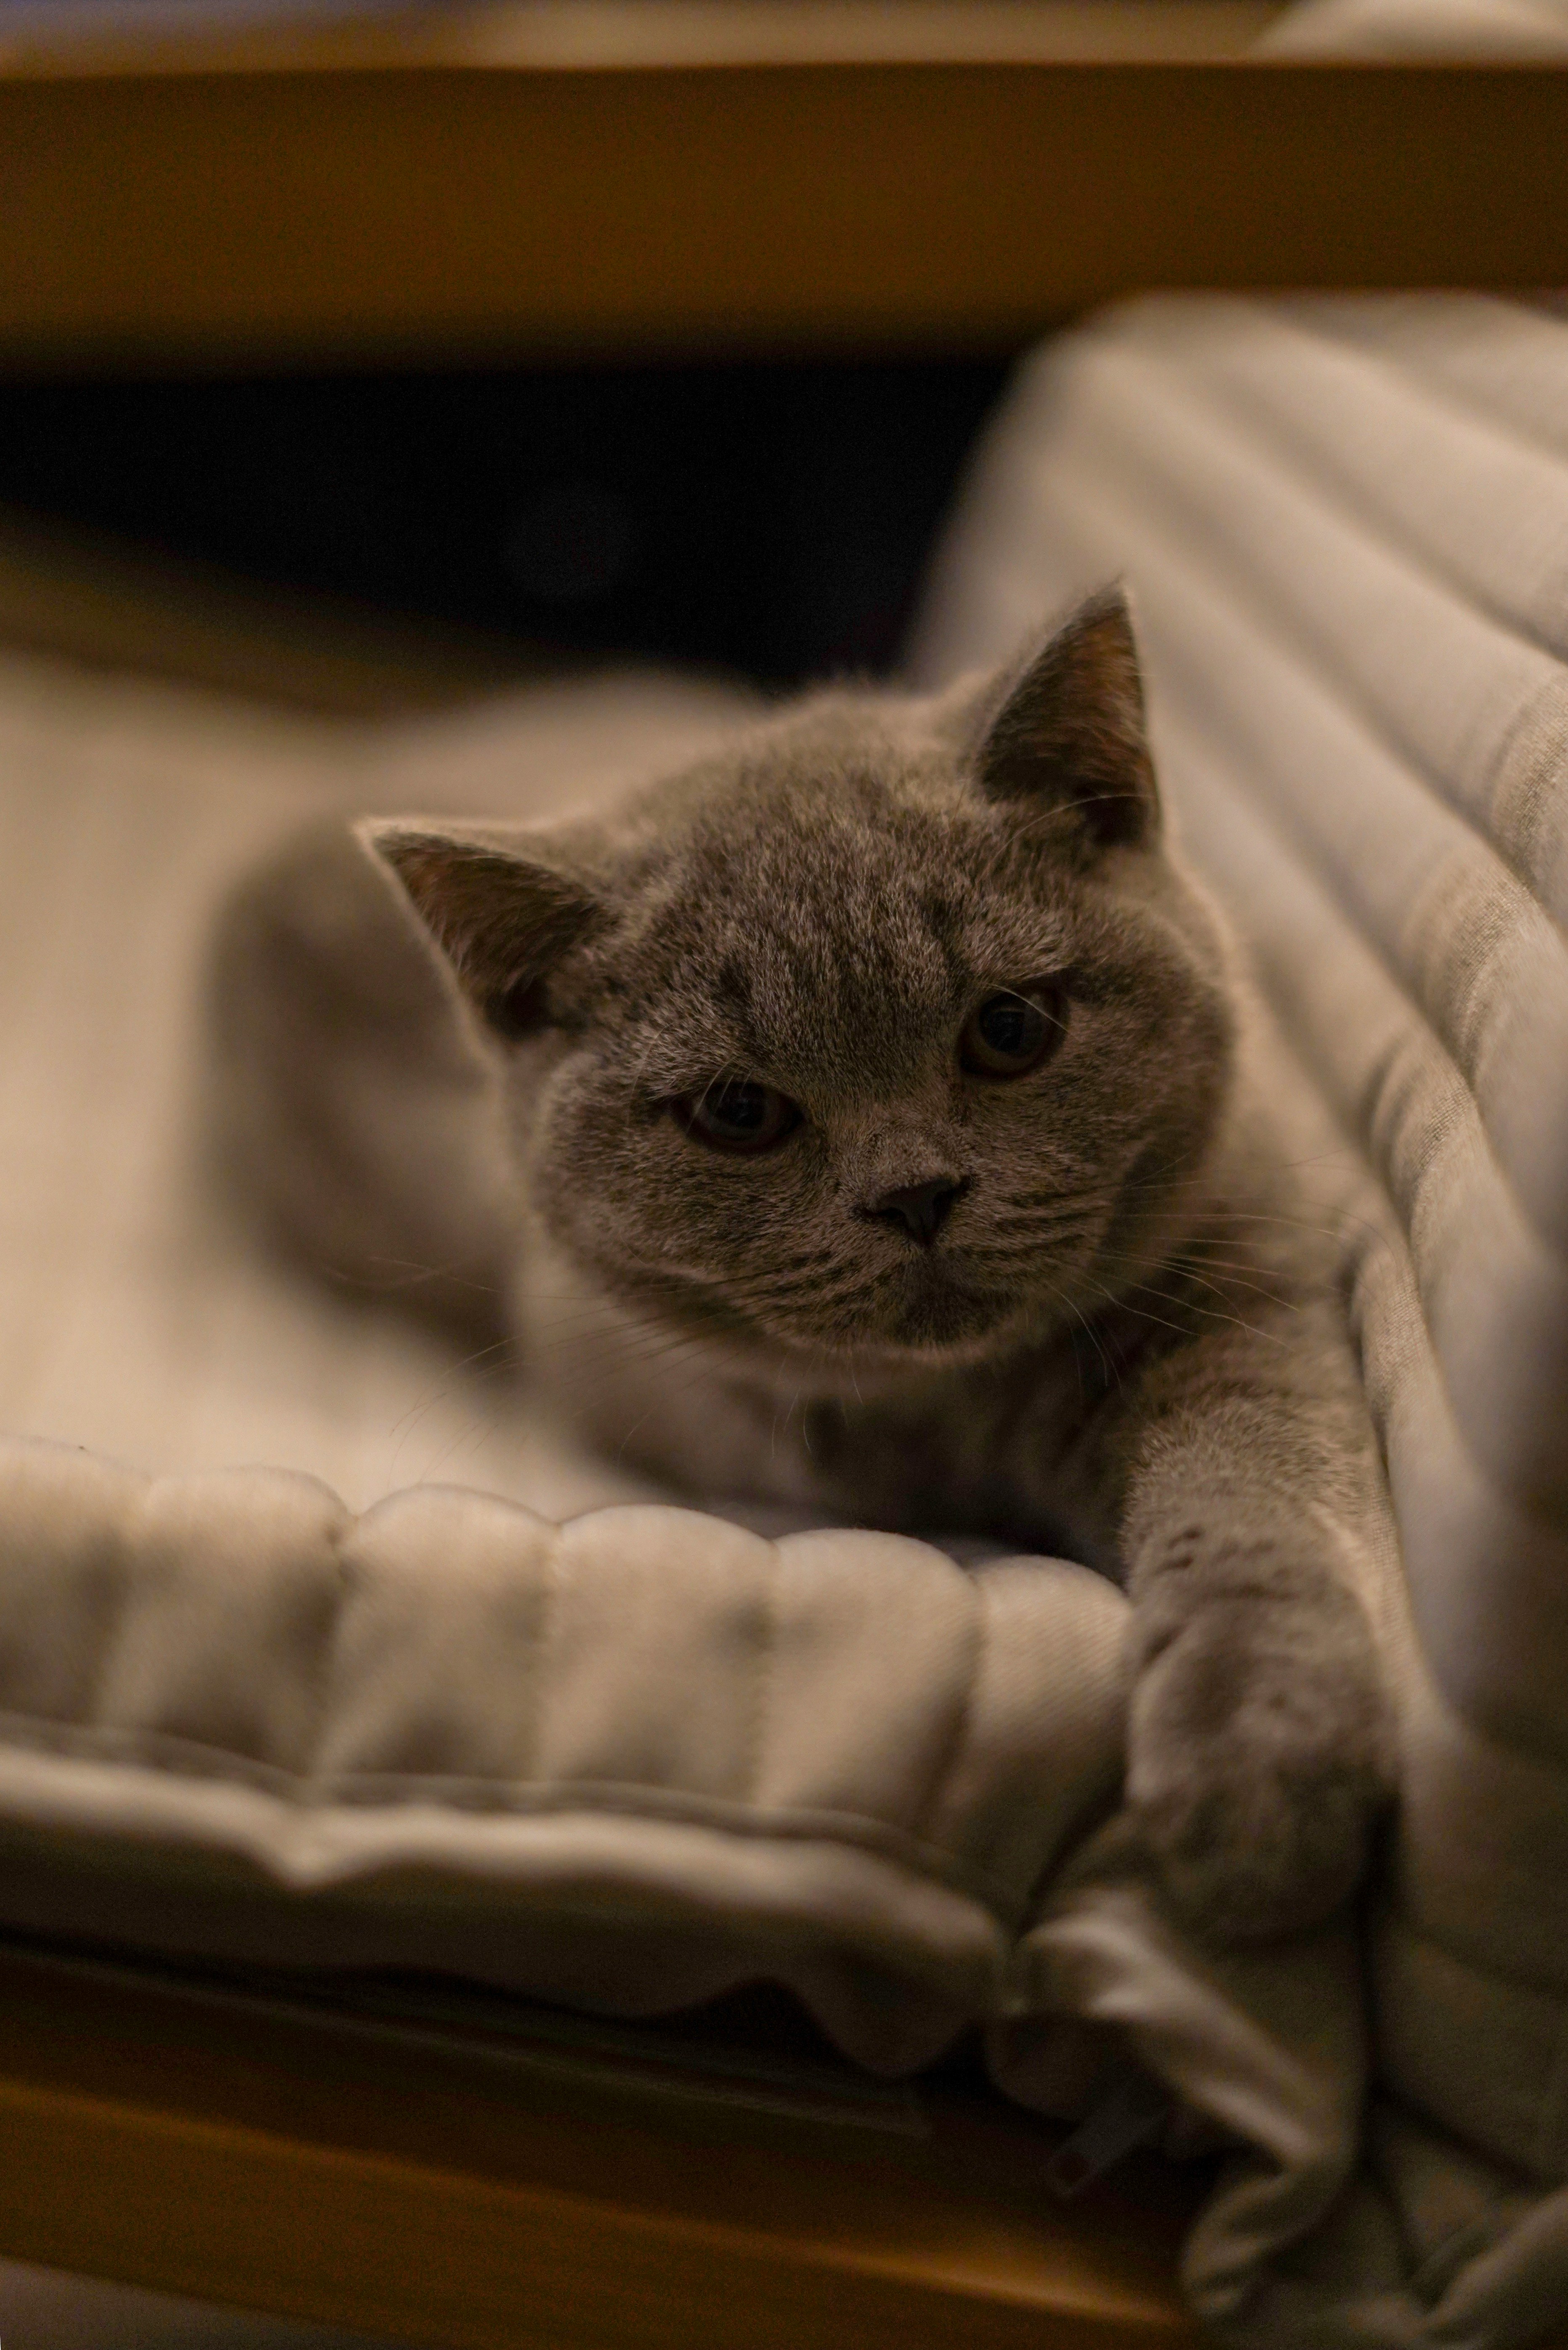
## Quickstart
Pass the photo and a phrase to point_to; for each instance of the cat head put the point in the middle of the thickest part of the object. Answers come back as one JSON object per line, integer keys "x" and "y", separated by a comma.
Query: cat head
{"x": 892, "y": 1034}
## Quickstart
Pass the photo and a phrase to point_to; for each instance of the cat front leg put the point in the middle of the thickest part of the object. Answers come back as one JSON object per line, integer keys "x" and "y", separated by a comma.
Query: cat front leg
{"x": 1260, "y": 1739}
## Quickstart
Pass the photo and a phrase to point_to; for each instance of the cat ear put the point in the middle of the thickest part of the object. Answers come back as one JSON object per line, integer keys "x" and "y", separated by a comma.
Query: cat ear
{"x": 1070, "y": 733}
{"x": 502, "y": 916}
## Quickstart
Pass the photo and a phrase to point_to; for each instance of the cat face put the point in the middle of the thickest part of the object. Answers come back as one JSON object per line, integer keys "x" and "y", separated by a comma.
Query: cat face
{"x": 892, "y": 1035}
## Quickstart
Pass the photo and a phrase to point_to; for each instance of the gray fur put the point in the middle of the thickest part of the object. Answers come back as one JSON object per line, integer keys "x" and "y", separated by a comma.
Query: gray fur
{"x": 1125, "y": 1340}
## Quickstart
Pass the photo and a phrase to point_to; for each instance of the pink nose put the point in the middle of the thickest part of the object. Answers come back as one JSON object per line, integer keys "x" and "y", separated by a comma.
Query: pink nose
{"x": 921, "y": 1208}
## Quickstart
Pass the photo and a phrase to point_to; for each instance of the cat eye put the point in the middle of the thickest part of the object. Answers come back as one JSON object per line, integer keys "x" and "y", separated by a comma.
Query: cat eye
{"x": 1014, "y": 1031}
{"x": 738, "y": 1115}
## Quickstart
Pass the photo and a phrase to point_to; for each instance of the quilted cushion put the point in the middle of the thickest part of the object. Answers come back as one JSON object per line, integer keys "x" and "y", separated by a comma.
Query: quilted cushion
{"x": 627, "y": 1762}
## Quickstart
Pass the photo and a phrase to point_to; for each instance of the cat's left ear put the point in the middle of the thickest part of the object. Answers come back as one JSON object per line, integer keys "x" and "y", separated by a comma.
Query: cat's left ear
{"x": 1070, "y": 734}
{"x": 502, "y": 912}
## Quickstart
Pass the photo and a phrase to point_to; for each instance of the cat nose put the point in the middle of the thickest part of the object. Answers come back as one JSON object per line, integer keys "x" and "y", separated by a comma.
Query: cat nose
{"x": 921, "y": 1208}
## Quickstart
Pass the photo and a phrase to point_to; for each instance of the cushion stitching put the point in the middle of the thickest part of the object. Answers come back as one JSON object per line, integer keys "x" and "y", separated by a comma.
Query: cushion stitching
{"x": 764, "y": 1676}
{"x": 1298, "y": 847}
{"x": 1503, "y": 767}
{"x": 1305, "y": 1042}
{"x": 324, "y": 1675}
{"x": 545, "y": 1634}
{"x": 1291, "y": 630}
{"x": 116, "y": 1543}
{"x": 958, "y": 1735}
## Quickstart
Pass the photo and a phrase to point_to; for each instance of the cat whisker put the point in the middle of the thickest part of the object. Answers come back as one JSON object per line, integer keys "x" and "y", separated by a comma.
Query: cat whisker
{"x": 1016, "y": 1241}
{"x": 789, "y": 1415}
{"x": 1196, "y": 1262}
{"x": 638, "y": 1347}
{"x": 1125, "y": 1301}
{"x": 436, "y": 1394}
{"x": 415, "y": 1274}
{"x": 1112, "y": 1374}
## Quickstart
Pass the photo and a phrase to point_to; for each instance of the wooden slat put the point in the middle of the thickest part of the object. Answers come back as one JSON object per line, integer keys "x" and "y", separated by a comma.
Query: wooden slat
{"x": 368, "y": 2177}
{"x": 446, "y": 209}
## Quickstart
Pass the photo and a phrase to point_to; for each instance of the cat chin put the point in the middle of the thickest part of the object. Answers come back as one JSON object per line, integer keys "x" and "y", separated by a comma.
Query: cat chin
{"x": 954, "y": 1330}
{"x": 934, "y": 1315}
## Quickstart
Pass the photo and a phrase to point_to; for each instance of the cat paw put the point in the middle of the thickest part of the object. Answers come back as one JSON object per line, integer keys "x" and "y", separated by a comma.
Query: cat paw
{"x": 1259, "y": 1752}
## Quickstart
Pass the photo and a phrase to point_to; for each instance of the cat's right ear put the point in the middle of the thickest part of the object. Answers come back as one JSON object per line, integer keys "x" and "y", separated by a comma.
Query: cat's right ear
{"x": 500, "y": 916}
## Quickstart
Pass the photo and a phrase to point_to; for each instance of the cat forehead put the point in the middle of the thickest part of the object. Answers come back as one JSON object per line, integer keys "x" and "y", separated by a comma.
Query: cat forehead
{"x": 811, "y": 920}
{"x": 848, "y": 862}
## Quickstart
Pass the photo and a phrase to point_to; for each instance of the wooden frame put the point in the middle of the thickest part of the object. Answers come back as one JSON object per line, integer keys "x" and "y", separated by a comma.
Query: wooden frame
{"x": 443, "y": 2190}
{"x": 473, "y": 191}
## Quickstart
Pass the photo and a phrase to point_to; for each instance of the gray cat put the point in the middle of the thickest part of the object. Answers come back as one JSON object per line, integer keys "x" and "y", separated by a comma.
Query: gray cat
{"x": 858, "y": 1119}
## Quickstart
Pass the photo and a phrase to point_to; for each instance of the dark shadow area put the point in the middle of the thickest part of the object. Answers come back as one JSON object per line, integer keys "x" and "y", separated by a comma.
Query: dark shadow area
{"x": 769, "y": 519}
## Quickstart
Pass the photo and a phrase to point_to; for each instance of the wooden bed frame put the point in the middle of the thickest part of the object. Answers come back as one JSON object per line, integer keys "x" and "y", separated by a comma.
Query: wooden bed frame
{"x": 633, "y": 176}
{"x": 572, "y": 174}
{"x": 451, "y": 2188}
